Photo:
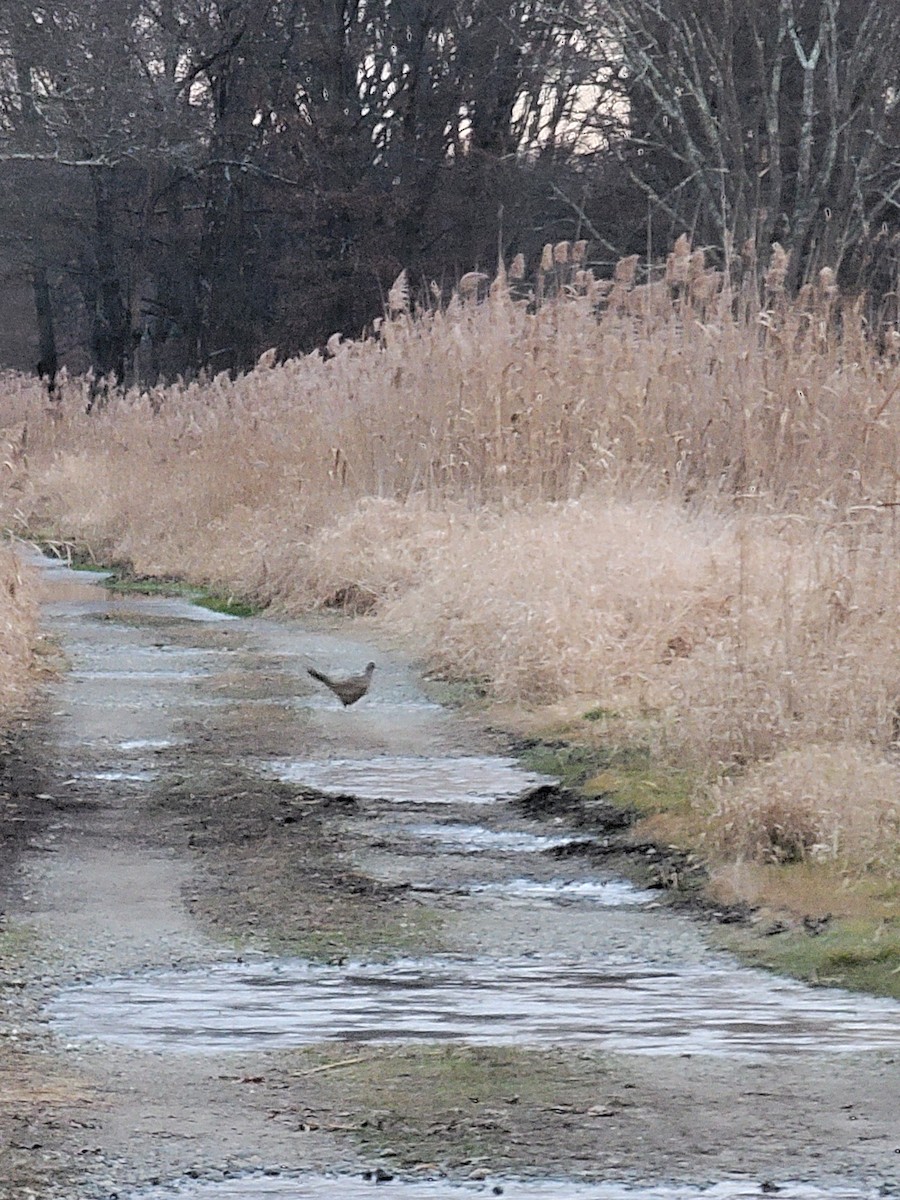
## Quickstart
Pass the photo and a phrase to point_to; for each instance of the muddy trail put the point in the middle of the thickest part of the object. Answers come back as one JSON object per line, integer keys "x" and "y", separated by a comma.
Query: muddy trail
{"x": 257, "y": 945}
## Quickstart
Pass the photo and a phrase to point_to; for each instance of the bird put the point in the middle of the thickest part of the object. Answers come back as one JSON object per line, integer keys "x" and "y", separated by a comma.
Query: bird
{"x": 349, "y": 689}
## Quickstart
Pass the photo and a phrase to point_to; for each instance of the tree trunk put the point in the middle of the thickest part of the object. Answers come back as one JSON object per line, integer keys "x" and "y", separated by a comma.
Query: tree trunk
{"x": 110, "y": 323}
{"x": 48, "y": 360}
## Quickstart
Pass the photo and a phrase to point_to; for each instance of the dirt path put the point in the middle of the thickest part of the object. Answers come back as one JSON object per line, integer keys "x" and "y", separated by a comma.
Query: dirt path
{"x": 249, "y": 934}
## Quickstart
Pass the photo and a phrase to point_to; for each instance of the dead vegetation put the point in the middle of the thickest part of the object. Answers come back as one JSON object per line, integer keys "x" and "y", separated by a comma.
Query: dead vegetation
{"x": 833, "y": 804}
{"x": 675, "y": 503}
{"x": 17, "y": 632}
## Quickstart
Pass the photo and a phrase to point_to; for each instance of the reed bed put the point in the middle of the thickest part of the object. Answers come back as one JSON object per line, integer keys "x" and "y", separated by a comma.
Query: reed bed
{"x": 821, "y": 803}
{"x": 662, "y": 499}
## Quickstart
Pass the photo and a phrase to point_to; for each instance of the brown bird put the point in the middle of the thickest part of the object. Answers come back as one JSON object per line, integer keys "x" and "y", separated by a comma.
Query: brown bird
{"x": 347, "y": 690}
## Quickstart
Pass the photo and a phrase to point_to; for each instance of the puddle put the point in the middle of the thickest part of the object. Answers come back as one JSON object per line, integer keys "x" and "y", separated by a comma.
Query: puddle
{"x": 145, "y": 744}
{"x": 464, "y": 780}
{"x": 377, "y": 698}
{"x": 164, "y": 651}
{"x": 611, "y": 893}
{"x": 64, "y": 598}
{"x": 343, "y": 1187}
{"x": 618, "y": 1006}
{"x": 478, "y": 839}
{"x": 162, "y": 676}
{"x": 169, "y": 607}
{"x": 120, "y": 776}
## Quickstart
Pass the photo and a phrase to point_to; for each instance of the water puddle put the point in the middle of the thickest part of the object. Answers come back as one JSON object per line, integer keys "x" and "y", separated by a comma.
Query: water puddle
{"x": 145, "y": 744}
{"x": 119, "y": 776}
{"x": 170, "y": 608}
{"x": 478, "y": 839}
{"x": 464, "y": 780}
{"x": 611, "y": 893}
{"x": 343, "y": 1187}
{"x": 161, "y": 676}
{"x": 617, "y": 1006}
{"x": 164, "y": 651}
{"x": 71, "y": 598}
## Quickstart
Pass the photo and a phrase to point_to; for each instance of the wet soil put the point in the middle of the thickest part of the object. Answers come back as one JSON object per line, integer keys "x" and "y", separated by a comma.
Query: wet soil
{"x": 190, "y": 809}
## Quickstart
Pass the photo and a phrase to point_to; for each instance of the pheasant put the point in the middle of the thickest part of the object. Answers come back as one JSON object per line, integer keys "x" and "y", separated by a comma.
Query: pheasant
{"x": 349, "y": 689}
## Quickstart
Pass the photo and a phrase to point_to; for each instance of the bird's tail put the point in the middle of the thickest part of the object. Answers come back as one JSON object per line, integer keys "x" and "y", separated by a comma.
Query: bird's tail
{"x": 318, "y": 675}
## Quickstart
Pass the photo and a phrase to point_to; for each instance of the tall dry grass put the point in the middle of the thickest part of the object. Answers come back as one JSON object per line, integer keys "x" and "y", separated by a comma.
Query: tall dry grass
{"x": 835, "y": 803}
{"x": 17, "y": 633}
{"x": 659, "y": 498}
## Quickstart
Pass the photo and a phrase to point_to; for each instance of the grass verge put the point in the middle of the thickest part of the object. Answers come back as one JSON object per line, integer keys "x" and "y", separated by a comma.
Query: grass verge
{"x": 813, "y": 920}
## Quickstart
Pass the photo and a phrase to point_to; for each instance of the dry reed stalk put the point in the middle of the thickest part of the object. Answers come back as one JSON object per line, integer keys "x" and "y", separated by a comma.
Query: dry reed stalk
{"x": 18, "y": 631}
{"x": 831, "y": 803}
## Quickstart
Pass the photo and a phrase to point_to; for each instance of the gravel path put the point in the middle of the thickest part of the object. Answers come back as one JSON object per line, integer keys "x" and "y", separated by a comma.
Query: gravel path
{"x": 336, "y": 947}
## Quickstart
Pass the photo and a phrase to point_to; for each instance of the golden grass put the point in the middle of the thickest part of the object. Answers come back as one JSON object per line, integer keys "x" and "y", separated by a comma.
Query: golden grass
{"x": 838, "y": 804}
{"x": 670, "y": 503}
{"x": 806, "y": 887}
{"x": 17, "y": 633}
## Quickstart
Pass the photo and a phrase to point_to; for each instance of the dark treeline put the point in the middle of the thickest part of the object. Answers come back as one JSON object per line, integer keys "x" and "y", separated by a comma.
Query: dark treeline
{"x": 185, "y": 183}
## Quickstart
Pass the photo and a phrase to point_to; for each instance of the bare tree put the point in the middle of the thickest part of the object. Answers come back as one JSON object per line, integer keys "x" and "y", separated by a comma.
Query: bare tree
{"x": 762, "y": 119}
{"x": 75, "y": 109}
{"x": 238, "y": 173}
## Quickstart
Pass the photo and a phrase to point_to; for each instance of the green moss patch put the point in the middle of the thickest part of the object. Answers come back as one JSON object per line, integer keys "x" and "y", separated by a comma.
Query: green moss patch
{"x": 124, "y": 583}
{"x": 860, "y": 954}
{"x": 626, "y": 776}
{"x": 576, "y": 764}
